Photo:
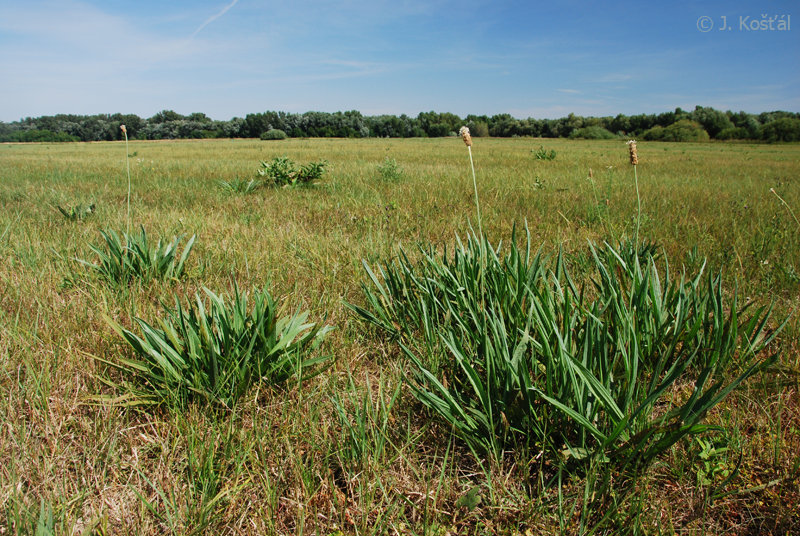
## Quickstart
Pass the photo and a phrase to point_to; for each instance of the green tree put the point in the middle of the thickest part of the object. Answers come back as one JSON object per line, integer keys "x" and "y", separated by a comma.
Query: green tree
{"x": 784, "y": 129}
{"x": 713, "y": 121}
{"x": 164, "y": 116}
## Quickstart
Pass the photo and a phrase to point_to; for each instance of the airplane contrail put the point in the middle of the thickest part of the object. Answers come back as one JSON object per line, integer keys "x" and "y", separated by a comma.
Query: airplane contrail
{"x": 215, "y": 17}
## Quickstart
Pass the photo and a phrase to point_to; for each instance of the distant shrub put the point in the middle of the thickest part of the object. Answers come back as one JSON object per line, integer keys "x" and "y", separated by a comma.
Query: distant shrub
{"x": 592, "y": 133}
{"x": 784, "y": 129}
{"x": 683, "y": 130}
{"x": 274, "y": 134}
{"x": 736, "y": 133}
{"x": 654, "y": 134}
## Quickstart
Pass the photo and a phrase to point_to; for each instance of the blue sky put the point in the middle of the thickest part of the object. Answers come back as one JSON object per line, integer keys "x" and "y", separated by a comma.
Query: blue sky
{"x": 232, "y": 57}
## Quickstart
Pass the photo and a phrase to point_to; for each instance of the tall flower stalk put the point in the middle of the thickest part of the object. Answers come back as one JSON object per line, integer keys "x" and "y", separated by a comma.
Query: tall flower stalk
{"x": 484, "y": 328}
{"x": 468, "y": 142}
{"x": 128, "y": 163}
{"x": 634, "y": 162}
{"x": 464, "y": 131}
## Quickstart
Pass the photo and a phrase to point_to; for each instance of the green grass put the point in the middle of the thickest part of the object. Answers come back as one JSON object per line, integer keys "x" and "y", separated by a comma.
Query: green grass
{"x": 342, "y": 451}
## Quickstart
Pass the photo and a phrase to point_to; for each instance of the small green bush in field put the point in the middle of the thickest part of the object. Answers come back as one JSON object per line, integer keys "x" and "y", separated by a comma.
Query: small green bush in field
{"x": 542, "y": 154}
{"x": 274, "y": 134}
{"x": 281, "y": 171}
{"x": 390, "y": 171}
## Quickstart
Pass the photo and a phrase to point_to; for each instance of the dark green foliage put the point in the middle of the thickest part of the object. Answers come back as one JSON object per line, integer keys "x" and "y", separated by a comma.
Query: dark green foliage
{"x": 734, "y": 133}
{"x": 42, "y": 136}
{"x": 784, "y": 129}
{"x": 514, "y": 355}
{"x": 311, "y": 172}
{"x": 281, "y": 171}
{"x": 542, "y": 154}
{"x": 437, "y": 125}
{"x": 165, "y": 116}
{"x": 713, "y": 121}
{"x": 215, "y": 349}
{"x": 592, "y": 133}
{"x": 274, "y": 134}
{"x": 683, "y": 130}
{"x": 132, "y": 257}
{"x": 352, "y": 124}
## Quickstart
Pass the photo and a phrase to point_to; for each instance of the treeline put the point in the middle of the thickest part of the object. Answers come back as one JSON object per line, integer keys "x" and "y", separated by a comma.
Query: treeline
{"x": 697, "y": 125}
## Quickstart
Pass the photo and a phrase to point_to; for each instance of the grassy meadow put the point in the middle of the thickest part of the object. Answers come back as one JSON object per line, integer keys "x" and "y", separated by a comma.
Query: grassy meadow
{"x": 74, "y": 459}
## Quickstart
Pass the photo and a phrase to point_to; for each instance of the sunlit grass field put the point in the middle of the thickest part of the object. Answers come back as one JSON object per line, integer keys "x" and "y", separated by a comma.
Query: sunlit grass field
{"x": 272, "y": 465}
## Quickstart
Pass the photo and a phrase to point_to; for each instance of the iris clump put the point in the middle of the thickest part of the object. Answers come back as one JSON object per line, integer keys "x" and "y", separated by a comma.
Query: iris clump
{"x": 133, "y": 256}
{"x": 215, "y": 349}
{"x": 512, "y": 354}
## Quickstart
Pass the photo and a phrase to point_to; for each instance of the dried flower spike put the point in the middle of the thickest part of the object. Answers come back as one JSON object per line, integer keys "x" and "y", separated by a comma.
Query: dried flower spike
{"x": 123, "y": 129}
{"x": 632, "y": 149}
{"x": 591, "y": 175}
{"x": 465, "y": 136}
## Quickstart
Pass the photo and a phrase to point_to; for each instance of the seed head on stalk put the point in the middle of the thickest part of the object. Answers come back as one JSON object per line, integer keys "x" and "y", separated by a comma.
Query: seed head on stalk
{"x": 633, "y": 153}
{"x": 465, "y": 136}
{"x": 464, "y": 131}
{"x": 634, "y": 161}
